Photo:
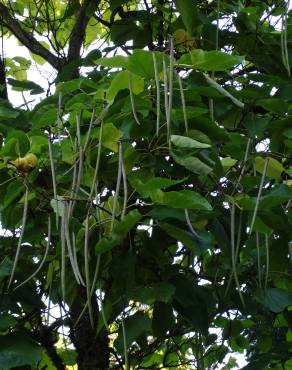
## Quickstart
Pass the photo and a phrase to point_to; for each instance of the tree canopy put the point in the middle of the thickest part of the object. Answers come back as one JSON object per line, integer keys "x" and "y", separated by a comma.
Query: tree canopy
{"x": 145, "y": 199}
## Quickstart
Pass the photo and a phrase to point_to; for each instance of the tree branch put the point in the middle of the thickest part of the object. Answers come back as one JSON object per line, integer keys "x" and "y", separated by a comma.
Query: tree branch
{"x": 78, "y": 32}
{"x": 28, "y": 40}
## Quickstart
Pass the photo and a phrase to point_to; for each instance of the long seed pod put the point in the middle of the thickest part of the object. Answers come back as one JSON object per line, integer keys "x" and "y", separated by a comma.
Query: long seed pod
{"x": 236, "y": 252}
{"x": 91, "y": 290}
{"x": 133, "y": 100}
{"x": 115, "y": 202}
{"x": 59, "y": 118}
{"x": 24, "y": 218}
{"x": 267, "y": 260}
{"x": 78, "y": 134}
{"x": 87, "y": 272}
{"x": 259, "y": 259}
{"x": 165, "y": 82}
{"x": 224, "y": 92}
{"x": 156, "y": 75}
{"x": 259, "y": 195}
{"x": 244, "y": 163}
{"x": 89, "y": 129}
{"x": 125, "y": 345}
{"x": 51, "y": 156}
{"x": 63, "y": 258}
{"x": 192, "y": 230}
{"x": 93, "y": 185}
{"x": 74, "y": 264}
{"x": 233, "y": 251}
{"x": 170, "y": 91}
{"x": 125, "y": 185}
{"x": 74, "y": 249}
{"x": 78, "y": 182}
{"x": 43, "y": 260}
{"x": 183, "y": 102}
{"x": 284, "y": 47}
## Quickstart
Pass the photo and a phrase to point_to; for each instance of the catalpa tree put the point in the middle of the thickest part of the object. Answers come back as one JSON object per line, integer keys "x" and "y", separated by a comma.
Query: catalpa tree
{"x": 145, "y": 184}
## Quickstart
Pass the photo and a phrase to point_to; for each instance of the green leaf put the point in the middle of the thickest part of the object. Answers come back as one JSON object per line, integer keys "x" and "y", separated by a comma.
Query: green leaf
{"x": 6, "y": 111}
{"x": 135, "y": 326}
{"x": 25, "y": 85}
{"x": 5, "y": 268}
{"x": 121, "y": 82}
{"x": 17, "y": 349}
{"x": 186, "y": 238}
{"x": 119, "y": 232}
{"x": 161, "y": 292}
{"x": 210, "y": 60}
{"x": 187, "y": 142}
{"x": 275, "y": 299}
{"x": 163, "y": 319}
{"x": 146, "y": 188}
{"x": 58, "y": 205}
{"x": 123, "y": 30}
{"x": 274, "y": 167}
{"x": 187, "y": 9}
{"x": 46, "y": 116}
{"x": 275, "y": 105}
{"x": 181, "y": 199}
{"x": 6, "y": 321}
{"x": 193, "y": 164}
{"x": 111, "y": 136}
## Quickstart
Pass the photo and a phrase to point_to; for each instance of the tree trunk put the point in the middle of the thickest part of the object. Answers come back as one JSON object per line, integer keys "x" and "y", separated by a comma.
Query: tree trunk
{"x": 92, "y": 350}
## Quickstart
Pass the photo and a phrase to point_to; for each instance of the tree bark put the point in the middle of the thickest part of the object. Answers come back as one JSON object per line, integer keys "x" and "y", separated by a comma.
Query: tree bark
{"x": 3, "y": 91}
{"x": 92, "y": 349}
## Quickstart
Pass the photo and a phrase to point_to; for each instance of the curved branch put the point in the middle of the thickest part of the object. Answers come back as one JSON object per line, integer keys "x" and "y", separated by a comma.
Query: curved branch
{"x": 27, "y": 39}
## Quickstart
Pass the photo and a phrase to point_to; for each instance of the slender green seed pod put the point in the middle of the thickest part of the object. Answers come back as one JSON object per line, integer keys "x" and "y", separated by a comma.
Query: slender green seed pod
{"x": 24, "y": 218}
{"x": 59, "y": 116}
{"x": 157, "y": 93}
{"x": 43, "y": 260}
{"x": 170, "y": 91}
{"x": 192, "y": 230}
{"x": 183, "y": 102}
{"x": 89, "y": 129}
{"x": 52, "y": 164}
{"x": 115, "y": 202}
{"x": 93, "y": 185}
{"x": 259, "y": 195}
{"x": 259, "y": 260}
{"x": 63, "y": 258}
{"x": 224, "y": 92}
{"x": 165, "y": 82}
{"x": 233, "y": 251}
{"x": 87, "y": 272}
{"x": 133, "y": 100}
{"x": 267, "y": 260}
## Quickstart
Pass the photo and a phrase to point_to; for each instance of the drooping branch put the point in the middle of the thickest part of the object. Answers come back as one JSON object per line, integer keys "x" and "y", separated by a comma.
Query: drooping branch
{"x": 27, "y": 39}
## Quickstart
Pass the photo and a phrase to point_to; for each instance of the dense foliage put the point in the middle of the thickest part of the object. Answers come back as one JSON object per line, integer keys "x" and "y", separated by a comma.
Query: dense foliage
{"x": 146, "y": 199}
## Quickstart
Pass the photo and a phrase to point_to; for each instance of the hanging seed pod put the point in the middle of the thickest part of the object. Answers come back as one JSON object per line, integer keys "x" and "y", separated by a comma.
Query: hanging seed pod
{"x": 24, "y": 218}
